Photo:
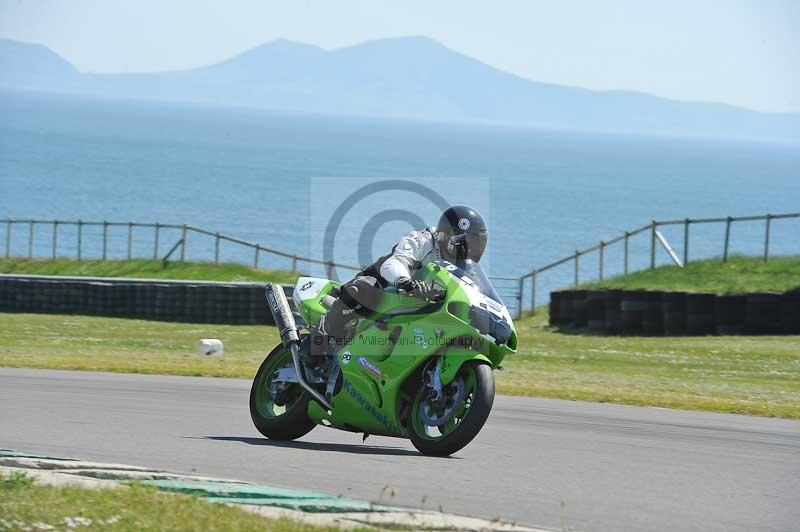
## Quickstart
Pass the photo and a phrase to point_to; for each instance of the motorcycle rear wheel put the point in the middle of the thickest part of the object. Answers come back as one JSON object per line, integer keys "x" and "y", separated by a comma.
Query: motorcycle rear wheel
{"x": 474, "y": 389}
{"x": 288, "y": 418}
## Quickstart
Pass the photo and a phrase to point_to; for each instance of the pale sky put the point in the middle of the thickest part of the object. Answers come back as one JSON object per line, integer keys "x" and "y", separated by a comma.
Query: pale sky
{"x": 741, "y": 52}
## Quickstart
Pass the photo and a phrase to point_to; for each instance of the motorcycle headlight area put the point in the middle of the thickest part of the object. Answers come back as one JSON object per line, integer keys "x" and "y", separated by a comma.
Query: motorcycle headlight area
{"x": 490, "y": 324}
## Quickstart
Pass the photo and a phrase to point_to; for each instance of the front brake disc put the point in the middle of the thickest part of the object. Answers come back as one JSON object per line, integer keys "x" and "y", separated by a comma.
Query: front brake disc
{"x": 428, "y": 411}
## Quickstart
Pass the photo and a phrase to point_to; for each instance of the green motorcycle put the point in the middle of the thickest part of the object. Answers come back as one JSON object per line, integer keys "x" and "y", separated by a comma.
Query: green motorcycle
{"x": 411, "y": 368}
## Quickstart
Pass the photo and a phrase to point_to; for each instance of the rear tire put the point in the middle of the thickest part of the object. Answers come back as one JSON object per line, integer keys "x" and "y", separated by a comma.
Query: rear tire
{"x": 279, "y": 422}
{"x": 478, "y": 379}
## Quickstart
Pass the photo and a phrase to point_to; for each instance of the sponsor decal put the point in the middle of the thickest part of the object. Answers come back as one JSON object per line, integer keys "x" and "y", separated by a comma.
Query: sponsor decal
{"x": 346, "y": 356}
{"x": 463, "y": 224}
{"x": 306, "y": 286}
{"x": 273, "y": 302}
{"x": 370, "y": 367}
{"x": 368, "y": 407}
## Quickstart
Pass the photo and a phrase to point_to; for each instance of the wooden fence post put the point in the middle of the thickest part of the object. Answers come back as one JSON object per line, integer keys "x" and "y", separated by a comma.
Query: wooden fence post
{"x": 8, "y": 238}
{"x": 602, "y": 256}
{"x": 155, "y": 240}
{"x": 184, "y": 235}
{"x": 533, "y": 293}
{"x": 627, "y": 237}
{"x": 105, "y": 239}
{"x": 766, "y": 238}
{"x": 653, "y": 245}
{"x": 686, "y": 241}
{"x": 294, "y": 264}
{"x": 727, "y": 239}
{"x": 130, "y": 240}
{"x": 258, "y": 252}
{"x": 577, "y": 266}
{"x": 55, "y": 238}
{"x": 80, "y": 239}
{"x": 216, "y": 248}
{"x": 30, "y": 239}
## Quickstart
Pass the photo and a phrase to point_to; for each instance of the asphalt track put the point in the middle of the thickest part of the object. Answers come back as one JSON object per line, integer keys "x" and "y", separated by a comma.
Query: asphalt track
{"x": 555, "y": 464}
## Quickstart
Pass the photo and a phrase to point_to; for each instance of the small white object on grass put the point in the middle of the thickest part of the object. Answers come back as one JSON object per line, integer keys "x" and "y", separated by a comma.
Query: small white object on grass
{"x": 211, "y": 346}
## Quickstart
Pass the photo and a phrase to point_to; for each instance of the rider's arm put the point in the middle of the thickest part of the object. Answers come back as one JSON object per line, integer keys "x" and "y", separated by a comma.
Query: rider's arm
{"x": 408, "y": 256}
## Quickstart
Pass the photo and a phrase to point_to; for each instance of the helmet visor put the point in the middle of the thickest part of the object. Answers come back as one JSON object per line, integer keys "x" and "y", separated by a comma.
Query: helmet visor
{"x": 467, "y": 246}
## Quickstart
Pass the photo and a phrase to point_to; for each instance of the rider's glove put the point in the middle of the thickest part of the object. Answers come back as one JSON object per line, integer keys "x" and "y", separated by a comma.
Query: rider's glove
{"x": 419, "y": 289}
{"x": 404, "y": 283}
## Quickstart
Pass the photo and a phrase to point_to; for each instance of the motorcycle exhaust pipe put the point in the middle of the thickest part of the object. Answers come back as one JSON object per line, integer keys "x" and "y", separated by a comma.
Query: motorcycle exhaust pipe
{"x": 284, "y": 320}
{"x": 282, "y": 313}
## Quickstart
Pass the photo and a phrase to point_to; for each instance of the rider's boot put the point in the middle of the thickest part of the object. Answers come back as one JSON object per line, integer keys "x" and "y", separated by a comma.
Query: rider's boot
{"x": 329, "y": 334}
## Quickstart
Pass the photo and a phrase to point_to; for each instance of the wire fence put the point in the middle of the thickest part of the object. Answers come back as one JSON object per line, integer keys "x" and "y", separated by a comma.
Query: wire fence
{"x": 106, "y": 240}
{"x": 654, "y": 232}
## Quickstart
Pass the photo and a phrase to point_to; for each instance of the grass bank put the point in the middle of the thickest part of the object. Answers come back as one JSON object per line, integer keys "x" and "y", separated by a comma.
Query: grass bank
{"x": 28, "y": 506}
{"x": 757, "y": 375}
{"x": 144, "y": 269}
{"x": 737, "y": 274}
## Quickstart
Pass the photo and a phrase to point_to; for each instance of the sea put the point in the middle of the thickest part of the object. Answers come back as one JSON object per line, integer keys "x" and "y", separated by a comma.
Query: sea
{"x": 346, "y": 188}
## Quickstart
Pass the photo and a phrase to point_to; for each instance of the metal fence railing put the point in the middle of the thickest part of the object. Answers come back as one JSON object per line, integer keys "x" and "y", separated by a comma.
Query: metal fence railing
{"x": 107, "y": 244}
{"x": 129, "y": 240}
{"x": 51, "y": 238}
{"x": 656, "y": 239}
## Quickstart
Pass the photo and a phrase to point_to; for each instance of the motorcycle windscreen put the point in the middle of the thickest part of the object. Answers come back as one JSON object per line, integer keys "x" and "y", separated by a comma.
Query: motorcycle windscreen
{"x": 473, "y": 270}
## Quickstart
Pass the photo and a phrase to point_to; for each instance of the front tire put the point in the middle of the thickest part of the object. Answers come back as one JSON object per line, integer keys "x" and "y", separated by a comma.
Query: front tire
{"x": 472, "y": 395}
{"x": 287, "y": 417}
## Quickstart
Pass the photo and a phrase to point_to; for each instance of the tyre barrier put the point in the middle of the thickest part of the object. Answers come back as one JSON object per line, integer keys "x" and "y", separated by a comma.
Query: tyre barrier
{"x": 699, "y": 314}
{"x": 674, "y": 307}
{"x": 632, "y": 311}
{"x": 580, "y": 316}
{"x": 185, "y": 301}
{"x": 595, "y": 310}
{"x": 612, "y": 309}
{"x": 661, "y": 313}
{"x": 763, "y": 313}
{"x": 730, "y": 314}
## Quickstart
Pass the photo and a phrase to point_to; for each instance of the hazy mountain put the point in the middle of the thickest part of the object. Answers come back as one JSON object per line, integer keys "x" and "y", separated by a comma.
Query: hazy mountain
{"x": 412, "y": 77}
{"x": 34, "y": 65}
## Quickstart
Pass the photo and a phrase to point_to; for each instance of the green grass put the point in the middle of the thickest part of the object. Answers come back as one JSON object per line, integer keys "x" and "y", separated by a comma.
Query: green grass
{"x": 25, "y": 505}
{"x": 144, "y": 269}
{"x": 738, "y": 274}
{"x": 757, "y": 375}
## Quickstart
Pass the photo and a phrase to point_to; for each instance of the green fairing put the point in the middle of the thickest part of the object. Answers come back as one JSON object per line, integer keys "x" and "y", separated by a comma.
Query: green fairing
{"x": 377, "y": 370}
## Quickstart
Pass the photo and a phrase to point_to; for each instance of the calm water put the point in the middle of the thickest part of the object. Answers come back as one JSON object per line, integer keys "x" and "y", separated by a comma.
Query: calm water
{"x": 251, "y": 174}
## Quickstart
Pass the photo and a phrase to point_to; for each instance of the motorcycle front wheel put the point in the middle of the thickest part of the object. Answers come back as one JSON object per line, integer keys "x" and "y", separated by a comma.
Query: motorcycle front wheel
{"x": 281, "y": 414}
{"x": 444, "y": 425}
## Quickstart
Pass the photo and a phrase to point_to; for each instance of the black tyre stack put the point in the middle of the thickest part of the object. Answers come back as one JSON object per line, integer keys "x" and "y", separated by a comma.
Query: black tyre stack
{"x": 632, "y": 311}
{"x": 729, "y": 313}
{"x": 556, "y": 303}
{"x": 596, "y": 310}
{"x": 613, "y": 311}
{"x": 699, "y": 314}
{"x": 763, "y": 314}
{"x": 653, "y": 313}
{"x": 580, "y": 314}
{"x": 562, "y": 310}
{"x": 164, "y": 301}
{"x": 673, "y": 305}
{"x": 790, "y": 312}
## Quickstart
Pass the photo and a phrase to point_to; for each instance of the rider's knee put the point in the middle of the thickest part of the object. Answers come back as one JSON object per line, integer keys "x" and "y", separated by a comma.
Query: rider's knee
{"x": 362, "y": 294}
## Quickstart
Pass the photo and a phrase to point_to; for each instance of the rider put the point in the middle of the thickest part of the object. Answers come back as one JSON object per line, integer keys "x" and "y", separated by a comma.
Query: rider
{"x": 460, "y": 234}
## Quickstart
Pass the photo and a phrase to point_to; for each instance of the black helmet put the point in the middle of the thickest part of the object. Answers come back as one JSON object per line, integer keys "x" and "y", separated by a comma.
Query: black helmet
{"x": 462, "y": 234}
